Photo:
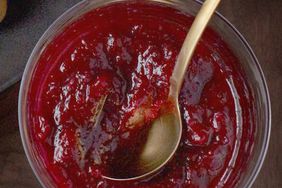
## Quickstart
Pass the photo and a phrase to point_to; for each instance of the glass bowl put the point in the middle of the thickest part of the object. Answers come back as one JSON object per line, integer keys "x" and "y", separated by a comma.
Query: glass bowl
{"x": 221, "y": 25}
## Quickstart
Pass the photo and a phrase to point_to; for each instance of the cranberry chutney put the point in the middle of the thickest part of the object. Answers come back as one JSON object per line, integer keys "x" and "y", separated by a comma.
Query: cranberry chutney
{"x": 126, "y": 52}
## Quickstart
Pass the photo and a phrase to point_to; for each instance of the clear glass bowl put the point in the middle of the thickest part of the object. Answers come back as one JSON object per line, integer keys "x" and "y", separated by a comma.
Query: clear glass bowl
{"x": 221, "y": 25}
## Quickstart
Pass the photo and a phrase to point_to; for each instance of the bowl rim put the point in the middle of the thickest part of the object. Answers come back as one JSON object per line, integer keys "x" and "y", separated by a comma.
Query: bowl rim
{"x": 30, "y": 67}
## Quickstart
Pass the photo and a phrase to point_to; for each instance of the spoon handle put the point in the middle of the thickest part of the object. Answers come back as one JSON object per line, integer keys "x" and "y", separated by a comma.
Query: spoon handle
{"x": 189, "y": 45}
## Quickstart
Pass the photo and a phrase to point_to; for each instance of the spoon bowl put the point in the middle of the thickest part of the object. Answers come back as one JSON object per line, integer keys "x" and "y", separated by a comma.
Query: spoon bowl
{"x": 162, "y": 142}
{"x": 166, "y": 130}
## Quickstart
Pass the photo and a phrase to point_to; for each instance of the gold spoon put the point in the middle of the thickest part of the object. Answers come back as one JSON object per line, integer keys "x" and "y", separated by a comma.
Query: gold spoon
{"x": 3, "y": 9}
{"x": 165, "y": 134}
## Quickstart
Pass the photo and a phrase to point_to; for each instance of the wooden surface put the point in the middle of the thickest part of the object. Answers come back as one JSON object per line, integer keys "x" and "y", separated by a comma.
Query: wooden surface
{"x": 258, "y": 20}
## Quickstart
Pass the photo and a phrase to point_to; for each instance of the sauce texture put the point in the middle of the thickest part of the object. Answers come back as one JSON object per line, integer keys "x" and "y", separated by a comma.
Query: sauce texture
{"x": 126, "y": 52}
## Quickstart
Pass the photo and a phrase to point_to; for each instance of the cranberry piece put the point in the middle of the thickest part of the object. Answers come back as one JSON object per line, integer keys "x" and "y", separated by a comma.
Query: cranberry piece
{"x": 219, "y": 123}
{"x": 42, "y": 128}
{"x": 102, "y": 84}
{"x": 64, "y": 145}
{"x": 117, "y": 49}
{"x": 95, "y": 172}
{"x": 198, "y": 134}
{"x": 79, "y": 96}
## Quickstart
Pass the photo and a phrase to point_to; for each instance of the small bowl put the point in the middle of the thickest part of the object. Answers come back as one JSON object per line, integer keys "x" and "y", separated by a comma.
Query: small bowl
{"x": 221, "y": 25}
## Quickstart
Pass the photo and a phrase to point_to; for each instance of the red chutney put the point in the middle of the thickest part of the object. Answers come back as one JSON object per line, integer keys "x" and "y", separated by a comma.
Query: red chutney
{"x": 126, "y": 52}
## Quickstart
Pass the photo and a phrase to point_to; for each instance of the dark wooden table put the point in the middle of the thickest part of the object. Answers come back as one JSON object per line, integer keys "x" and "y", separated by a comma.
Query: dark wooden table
{"x": 258, "y": 20}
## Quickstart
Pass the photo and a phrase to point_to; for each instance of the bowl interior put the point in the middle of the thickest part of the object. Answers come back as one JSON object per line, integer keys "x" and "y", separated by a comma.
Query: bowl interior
{"x": 230, "y": 35}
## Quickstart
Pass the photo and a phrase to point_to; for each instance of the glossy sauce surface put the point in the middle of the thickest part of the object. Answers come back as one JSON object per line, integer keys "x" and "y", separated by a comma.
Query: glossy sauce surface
{"x": 126, "y": 53}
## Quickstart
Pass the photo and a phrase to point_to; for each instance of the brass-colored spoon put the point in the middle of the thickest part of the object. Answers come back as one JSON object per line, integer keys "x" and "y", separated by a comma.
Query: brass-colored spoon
{"x": 3, "y": 9}
{"x": 165, "y": 133}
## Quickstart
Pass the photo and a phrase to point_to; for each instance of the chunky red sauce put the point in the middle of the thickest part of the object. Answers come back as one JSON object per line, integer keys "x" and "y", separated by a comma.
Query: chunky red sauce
{"x": 126, "y": 52}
